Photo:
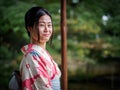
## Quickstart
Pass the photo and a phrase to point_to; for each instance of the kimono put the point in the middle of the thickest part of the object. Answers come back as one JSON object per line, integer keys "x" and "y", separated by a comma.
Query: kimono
{"x": 38, "y": 70}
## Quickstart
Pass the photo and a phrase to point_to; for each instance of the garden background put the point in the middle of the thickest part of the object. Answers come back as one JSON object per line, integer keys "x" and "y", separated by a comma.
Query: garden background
{"x": 93, "y": 40}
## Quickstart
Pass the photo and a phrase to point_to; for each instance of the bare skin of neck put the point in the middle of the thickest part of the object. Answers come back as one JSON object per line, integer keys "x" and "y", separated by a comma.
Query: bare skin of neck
{"x": 41, "y": 44}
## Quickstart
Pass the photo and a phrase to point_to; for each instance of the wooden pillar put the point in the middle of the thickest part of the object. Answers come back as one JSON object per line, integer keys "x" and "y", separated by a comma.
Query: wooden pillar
{"x": 64, "y": 45}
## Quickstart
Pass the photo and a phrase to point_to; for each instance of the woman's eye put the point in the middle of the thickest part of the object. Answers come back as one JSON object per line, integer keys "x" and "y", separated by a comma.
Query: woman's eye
{"x": 50, "y": 25}
{"x": 41, "y": 25}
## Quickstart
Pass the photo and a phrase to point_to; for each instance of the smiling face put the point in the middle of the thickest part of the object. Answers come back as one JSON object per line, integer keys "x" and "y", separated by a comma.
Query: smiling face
{"x": 44, "y": 27}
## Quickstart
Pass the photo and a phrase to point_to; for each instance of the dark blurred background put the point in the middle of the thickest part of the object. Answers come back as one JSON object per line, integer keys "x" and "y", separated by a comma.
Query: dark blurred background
{"x": 93, "y": 39}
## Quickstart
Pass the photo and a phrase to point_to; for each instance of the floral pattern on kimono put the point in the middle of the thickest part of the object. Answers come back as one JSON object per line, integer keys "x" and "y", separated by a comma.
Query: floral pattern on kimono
{"x": 37, "y": 68}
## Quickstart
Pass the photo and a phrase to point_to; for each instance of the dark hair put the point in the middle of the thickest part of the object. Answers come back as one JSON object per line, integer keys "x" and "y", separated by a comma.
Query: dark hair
{"x": 32, "y": 17}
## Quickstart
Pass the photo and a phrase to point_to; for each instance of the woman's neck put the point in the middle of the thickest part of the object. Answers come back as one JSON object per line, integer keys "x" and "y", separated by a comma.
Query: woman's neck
{"x": 41, "y": 44}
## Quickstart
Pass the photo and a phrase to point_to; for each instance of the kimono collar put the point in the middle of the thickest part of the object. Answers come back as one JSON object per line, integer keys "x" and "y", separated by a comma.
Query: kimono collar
{"x": 30, "y": 47}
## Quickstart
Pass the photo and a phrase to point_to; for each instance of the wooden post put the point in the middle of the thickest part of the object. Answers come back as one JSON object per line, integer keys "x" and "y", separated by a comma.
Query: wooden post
{"x": 64, "y": 45}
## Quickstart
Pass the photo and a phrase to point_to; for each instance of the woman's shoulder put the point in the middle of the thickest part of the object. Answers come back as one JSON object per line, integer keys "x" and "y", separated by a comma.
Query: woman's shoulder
{"x": 31, "y": 49}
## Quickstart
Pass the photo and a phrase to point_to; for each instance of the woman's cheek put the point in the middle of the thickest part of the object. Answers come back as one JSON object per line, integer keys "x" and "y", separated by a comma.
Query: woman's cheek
{"x": 41, "y": 29}
{"x": 51, "y": 31}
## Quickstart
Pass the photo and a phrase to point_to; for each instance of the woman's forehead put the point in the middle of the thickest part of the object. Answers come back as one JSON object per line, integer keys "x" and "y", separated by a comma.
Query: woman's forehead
{"x": 45, "y": 18}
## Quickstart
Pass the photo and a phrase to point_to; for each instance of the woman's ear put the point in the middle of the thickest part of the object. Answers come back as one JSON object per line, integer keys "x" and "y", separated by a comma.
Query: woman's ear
{"x": 29, "y": 29}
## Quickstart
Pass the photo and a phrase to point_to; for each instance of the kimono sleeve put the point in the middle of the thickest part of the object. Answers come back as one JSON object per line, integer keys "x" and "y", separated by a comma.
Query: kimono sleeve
{"x": 34, "y": 73}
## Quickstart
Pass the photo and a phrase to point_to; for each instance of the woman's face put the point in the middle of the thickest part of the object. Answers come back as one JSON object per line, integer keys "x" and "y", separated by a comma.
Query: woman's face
{"x": 45, "y": 30}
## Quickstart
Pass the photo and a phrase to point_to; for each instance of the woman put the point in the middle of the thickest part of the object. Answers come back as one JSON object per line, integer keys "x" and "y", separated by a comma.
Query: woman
{"x": 38, "y": 70}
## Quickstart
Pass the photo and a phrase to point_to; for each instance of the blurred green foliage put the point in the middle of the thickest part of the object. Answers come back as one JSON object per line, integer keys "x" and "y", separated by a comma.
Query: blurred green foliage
{"x": 87, "y": 36}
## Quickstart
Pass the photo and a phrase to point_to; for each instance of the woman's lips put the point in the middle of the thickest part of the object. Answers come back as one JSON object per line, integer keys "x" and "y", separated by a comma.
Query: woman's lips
{"x": 46, "y": 35}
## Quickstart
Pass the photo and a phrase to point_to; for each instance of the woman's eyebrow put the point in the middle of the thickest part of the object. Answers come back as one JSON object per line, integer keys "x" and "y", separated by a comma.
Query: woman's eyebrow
{"x": 45, "y": 21}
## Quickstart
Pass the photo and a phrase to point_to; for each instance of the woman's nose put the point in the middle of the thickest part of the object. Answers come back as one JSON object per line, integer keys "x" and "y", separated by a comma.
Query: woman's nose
{"x": 46, "y": 28}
